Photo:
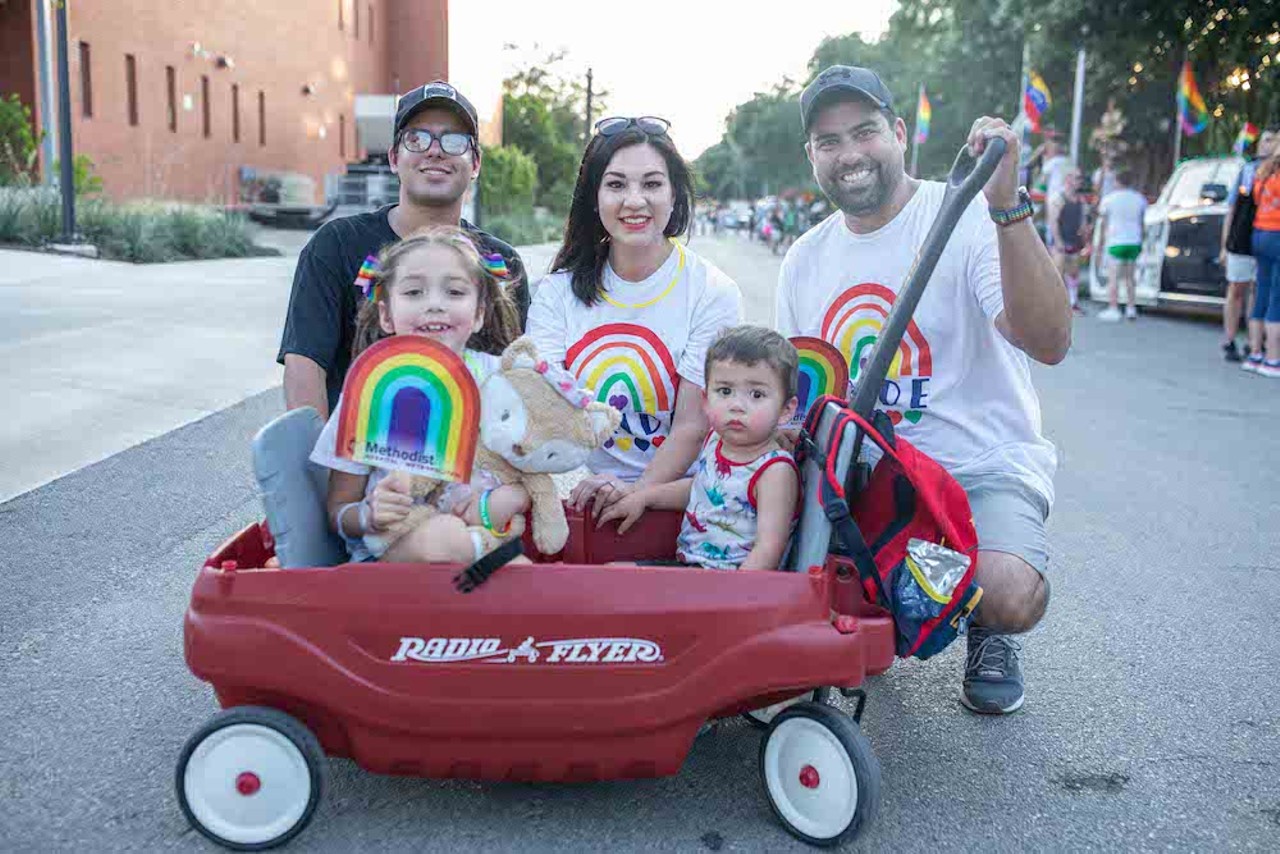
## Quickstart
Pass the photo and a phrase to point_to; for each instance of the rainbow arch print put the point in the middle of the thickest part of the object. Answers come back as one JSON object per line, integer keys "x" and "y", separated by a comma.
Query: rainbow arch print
{"x": 853, "y": 322}
{"x": 623, "y": 360}
{"x": 409, "y": 403}
{"x": 822, "y": 370}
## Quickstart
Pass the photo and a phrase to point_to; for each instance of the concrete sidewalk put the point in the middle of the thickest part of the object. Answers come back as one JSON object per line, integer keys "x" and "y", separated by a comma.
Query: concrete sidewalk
{"x": 99, "y": 356}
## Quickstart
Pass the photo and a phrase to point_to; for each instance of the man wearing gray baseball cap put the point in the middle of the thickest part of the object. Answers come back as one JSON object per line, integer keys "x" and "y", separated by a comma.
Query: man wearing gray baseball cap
{"x": 960, "y": 389}
{"x": 436, "y": 155}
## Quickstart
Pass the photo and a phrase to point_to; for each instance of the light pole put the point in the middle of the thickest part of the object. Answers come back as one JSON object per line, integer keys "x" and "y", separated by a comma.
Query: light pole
{"x": 67, "y": 178}
{"x": 1077, "y": 104}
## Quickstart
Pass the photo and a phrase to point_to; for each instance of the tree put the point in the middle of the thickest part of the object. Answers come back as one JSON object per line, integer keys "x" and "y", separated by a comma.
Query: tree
{"x": 968, "y": 54}
{"x": 17, "y": 143}
{"x": 507, "y": 180}
{"x": 544, "y": 114}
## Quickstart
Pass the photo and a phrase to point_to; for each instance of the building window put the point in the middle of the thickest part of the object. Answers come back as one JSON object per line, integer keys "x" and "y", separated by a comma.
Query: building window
{"x": 131, "y": 87}
{"x": 206, "y": 123}
{"x": 369, "y": 23}
{"x": 171, "y": 93}
{"x": 342, "y": 135}
{"x": 235, "y": 112}
{"x": 342, "y": 22}
{"x": 355, "y": 20}
{"x": 262, "y": 118}
{"x": 86, "y": 82}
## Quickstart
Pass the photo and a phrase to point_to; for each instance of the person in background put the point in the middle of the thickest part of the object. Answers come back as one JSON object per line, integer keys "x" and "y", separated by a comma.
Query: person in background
{"x": 1066, "y": 223}
{"x": 1237, "y": 249}
{"x": 1264, "y": 320}
{"x": 1120, "y": 215}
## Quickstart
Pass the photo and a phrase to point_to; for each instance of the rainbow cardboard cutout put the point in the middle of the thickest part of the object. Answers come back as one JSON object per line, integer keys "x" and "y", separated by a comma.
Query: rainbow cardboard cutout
{"x": 409, "y": 403}
{"x": 823, "y": 370}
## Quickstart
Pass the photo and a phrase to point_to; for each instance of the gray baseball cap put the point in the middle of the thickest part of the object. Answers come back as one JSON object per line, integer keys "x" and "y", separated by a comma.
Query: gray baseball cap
{"x": 842, "y": 79}
{"x": 437, "y": 93}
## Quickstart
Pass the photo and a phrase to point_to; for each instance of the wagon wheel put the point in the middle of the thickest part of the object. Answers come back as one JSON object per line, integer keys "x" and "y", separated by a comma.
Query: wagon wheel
{"x": 820, "y": 774}
{"x": 761, "y": 718}
{"x": 250, "y": 778}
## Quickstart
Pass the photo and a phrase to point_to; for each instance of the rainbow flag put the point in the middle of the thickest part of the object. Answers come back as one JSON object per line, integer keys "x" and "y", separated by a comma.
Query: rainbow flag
{"x": 1248, "y": 136}
{"x": 1035, "y": 99}
{"x": 1192, "y": 114}
{"x": 924, "y": 112}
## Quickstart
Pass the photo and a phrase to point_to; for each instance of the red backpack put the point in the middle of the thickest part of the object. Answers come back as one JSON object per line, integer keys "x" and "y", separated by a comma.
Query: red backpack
{"x": 908, "y": 497}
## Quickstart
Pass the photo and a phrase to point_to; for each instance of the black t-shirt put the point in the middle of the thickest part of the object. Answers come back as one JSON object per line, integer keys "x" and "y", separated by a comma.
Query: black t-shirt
{"x": 321, "y": 321}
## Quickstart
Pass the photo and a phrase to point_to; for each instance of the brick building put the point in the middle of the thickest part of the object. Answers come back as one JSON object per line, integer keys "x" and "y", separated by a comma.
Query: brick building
{"x": 179, "y": 99}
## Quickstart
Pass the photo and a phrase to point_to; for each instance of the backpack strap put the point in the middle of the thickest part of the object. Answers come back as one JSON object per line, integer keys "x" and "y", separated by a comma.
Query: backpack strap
{"x": 836, "y": 507}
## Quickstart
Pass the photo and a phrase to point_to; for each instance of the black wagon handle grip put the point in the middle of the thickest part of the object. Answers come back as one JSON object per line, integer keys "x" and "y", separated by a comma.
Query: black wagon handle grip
{"x": 969, "y": 174}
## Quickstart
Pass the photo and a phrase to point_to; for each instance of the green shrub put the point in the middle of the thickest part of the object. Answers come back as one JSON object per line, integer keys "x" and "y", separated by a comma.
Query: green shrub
{"x": 12, "y": 206}
{"x": 507, "y": 180}
{"x": 142, "y": 232}
{"x": 42, "y": 216}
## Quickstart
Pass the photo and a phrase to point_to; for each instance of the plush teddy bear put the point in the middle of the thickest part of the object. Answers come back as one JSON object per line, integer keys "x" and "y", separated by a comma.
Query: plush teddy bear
{"x": 535, "y": 421}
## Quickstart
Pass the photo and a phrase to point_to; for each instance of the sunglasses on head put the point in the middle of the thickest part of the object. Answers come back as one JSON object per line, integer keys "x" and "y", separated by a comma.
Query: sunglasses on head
{"x": 418, "y": 140}
{"x": 617, "y": 124}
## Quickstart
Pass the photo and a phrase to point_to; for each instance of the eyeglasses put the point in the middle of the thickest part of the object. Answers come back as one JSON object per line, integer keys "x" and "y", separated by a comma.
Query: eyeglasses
{"x": 617, "y": 124}
{"x": 418, "y": 140}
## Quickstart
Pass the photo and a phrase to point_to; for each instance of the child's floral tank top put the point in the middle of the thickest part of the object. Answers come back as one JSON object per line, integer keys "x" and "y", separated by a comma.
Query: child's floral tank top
{"x": 719, "y": 527}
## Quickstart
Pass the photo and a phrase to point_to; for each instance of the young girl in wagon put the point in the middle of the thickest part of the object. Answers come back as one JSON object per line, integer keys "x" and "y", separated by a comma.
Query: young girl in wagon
{"x": 434, "y": 284}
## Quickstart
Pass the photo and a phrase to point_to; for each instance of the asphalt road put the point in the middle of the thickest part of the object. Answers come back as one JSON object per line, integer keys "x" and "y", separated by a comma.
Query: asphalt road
{"x": 1151, "y": 720}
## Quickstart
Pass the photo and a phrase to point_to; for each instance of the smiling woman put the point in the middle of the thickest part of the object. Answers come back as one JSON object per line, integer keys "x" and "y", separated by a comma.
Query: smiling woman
{"x": 630, "y": 311}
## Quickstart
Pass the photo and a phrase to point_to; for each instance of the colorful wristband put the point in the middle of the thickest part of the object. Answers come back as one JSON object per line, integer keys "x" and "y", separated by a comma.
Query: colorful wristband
{"x": 485, "y": 519}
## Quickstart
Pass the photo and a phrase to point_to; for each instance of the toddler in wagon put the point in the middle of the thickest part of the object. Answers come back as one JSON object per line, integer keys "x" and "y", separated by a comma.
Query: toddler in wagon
{"x": 740, "y": 504}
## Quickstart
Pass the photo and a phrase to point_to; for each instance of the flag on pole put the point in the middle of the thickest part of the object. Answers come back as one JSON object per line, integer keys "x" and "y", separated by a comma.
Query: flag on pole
{"x": 924, "y": 112}
{"x": 1248, "y": 136}
{"x": 1035, "y": 99}
{"x": 1192, "y": 115}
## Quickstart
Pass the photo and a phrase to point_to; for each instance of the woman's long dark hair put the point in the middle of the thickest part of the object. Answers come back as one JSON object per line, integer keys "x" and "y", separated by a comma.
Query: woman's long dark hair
{"x": 586, "y": 243}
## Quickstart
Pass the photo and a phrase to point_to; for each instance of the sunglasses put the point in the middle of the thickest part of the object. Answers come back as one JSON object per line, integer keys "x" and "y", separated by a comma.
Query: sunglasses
{"x": 418, "y": 140}
{"x": 617, "y": 124}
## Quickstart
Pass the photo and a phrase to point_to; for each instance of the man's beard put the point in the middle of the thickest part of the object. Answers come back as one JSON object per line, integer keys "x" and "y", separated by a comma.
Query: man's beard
{"x": 861, "y": 201}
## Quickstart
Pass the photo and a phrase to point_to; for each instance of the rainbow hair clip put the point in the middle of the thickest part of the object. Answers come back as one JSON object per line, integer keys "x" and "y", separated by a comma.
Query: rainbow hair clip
{"x": 367, "y": 278}
{"x": 495, "y": 264}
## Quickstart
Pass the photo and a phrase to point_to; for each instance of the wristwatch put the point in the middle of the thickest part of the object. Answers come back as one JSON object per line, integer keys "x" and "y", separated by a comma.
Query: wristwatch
{"x": 1020, "y": 211}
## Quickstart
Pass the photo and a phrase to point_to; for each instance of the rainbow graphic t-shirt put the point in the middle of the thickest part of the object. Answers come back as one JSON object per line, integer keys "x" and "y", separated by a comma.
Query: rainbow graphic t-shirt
{"x": 634, "y": 349}
{"x": 956, "y": 388}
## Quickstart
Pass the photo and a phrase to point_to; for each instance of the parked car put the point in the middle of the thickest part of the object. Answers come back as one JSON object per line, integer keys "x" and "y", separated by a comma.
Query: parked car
{"x": 1179, "y": 264}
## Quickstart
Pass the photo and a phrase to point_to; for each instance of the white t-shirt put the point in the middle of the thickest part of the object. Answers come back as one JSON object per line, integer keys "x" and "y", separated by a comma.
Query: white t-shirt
{"x": 1124, "y": 209}
{"x": 632, "y": 349}
{"x": 325, "y": 452}
{"x": 1055, "y": 171}
{"x": 958, "y": 390}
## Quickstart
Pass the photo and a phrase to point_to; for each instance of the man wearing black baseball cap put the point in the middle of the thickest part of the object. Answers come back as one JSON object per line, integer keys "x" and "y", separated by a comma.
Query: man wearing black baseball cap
{"x": 435, "y": 153}
{"x": 960, "y": 389}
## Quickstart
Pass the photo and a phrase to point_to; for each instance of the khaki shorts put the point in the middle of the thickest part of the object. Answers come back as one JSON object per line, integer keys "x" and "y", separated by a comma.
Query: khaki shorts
{"x": 1010, "y": 517}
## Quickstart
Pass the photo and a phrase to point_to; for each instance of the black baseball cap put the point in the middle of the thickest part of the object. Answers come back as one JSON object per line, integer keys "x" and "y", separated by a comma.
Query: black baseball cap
{"x": 437, "y": 93}
{"x": 842, "y": 79}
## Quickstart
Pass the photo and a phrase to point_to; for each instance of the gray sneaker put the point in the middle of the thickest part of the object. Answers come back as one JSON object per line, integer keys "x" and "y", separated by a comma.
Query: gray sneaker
{"x": 992, "y": 676}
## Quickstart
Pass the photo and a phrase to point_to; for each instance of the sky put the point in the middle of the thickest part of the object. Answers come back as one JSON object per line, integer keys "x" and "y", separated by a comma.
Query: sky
{"x": 688, "y": 61}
